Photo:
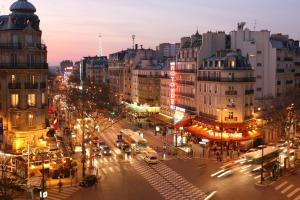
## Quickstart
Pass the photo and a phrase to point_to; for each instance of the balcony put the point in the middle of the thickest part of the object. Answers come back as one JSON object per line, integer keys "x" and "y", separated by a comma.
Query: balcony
{"x": 185, "y": 95}
{"x": 31, "y": 85}
{"x": 23, "y": 66}
{"x": 280, "y": 70}
{"x": 19, "y": 45}
{"x": 218, "y": 79}
{"x": 185, "y": 70}
{"x": 185, "y": 82}
{"x": 188, "y": 108}
{"x": 43, "y": 85}
{"x": 297, "y": 74}
{"x": 231, "y": 119}
{"x": 289, "y": 82}
{"x": 14, "y": 86}
{"x": 231, "y": 92}
{"x": 249, "y": 92}
{"x": 288, "y": 59}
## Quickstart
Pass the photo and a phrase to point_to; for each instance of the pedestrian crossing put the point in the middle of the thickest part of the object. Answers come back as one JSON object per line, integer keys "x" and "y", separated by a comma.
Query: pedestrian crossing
{"x": 65, "y": 193}
{"x": 290, "y": 190}
{"x": 169, "y": 184}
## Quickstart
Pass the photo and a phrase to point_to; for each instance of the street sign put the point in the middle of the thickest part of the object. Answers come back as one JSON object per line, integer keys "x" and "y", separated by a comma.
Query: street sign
{"x": 1, "y": 130}
{"x": 43, "y": 194}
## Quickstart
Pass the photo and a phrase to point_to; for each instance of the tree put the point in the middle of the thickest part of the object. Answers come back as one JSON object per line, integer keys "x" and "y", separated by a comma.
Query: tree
{"x": 10, "y": 185}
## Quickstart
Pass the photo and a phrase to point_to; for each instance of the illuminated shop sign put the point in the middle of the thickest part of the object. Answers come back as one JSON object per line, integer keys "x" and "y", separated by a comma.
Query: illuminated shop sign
{"x": 180, "y": 109}
{"x": 172, "y": 85}
{"x": 225, "y": 134}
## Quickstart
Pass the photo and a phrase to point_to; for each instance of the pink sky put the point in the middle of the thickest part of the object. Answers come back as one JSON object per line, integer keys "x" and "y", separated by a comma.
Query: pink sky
{"x": 71, "y": 27}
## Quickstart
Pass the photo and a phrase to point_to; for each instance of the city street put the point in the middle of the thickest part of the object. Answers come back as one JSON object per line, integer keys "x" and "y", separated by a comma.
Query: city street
{"x": 178, "y": 177}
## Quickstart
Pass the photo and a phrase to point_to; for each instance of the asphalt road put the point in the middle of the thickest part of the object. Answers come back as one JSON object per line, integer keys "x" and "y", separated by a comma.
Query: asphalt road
{"x": 177, "y": 178}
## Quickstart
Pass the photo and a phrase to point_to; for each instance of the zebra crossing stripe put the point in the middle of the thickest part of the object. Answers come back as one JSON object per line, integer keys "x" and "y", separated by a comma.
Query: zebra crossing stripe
{"x": 297, "y": 198}
{"x": 287, "y": 188}
{"x": 281, "y": 185}
{"x": 289, "y": 195}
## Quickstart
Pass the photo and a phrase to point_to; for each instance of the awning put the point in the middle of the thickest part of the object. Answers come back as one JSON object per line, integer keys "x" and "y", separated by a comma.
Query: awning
{"x": 161, "y": 119}
{"x": 211, "y": 122}
{"x": 211, "y": 134}
{"x": 183, "y": 123}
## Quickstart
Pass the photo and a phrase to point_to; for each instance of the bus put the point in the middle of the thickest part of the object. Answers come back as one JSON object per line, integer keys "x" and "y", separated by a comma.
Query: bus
{"x": 255, "y": 157}
{"x": 137, "y": 142}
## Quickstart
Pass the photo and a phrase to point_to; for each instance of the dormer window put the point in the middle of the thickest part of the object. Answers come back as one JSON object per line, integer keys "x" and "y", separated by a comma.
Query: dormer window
{"x": 232, "y": 63}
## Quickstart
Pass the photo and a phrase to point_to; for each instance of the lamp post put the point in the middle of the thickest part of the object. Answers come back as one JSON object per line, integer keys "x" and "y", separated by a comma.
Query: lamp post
{"x": 221, "y": 111}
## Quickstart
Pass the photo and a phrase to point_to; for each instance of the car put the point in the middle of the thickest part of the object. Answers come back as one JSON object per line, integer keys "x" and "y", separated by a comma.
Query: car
{"x": 126, "y": 148}
{"x": 88, "y": 181}
{"x": 101, "y": 144}
{"x": 151, "y": 158}
{"x": 119, "y": 143}
{"x": 106, "y": 151}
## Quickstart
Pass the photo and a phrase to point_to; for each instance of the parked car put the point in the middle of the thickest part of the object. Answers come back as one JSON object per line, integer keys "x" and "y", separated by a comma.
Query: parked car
{"x": 119, "y": 143}
{"x": 88, "y": 181}
{"x": 101, "y": 144}
{"x": 106, "y": 151}
{"x": 126, "y": 148}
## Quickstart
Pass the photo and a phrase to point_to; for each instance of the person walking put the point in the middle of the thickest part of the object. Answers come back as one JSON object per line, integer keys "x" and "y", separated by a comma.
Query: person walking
{"x": 60, "y": 184}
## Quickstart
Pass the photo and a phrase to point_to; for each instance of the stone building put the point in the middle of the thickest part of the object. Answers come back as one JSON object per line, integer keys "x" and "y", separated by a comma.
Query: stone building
{"x": 23, "y": 72}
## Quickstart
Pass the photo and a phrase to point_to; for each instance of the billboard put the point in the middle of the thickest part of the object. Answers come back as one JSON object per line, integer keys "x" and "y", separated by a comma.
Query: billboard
{"x": 1, "y": 130}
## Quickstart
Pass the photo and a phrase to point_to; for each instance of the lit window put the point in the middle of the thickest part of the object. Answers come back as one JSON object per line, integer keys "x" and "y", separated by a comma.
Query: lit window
{"x": 31, "y": 100}
{"x": 14, "y": 100}
{"x": 43, "y": 98}
{"x": 13, "y": 78}
{"x": 30, "y": 119}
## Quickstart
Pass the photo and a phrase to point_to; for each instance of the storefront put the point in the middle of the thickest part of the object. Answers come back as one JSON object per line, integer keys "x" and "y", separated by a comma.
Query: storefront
{"x": 240, "y": 135}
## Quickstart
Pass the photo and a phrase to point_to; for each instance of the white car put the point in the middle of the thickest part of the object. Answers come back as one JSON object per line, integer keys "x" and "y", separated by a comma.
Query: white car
{"x": 151, "y": 158}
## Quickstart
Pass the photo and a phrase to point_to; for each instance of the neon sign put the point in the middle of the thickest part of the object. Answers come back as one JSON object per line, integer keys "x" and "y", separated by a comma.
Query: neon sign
{"x": 172, "y": 85}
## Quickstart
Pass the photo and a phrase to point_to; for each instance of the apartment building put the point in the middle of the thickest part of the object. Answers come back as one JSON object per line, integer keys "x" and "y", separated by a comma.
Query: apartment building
{"x": 23, "y": 77}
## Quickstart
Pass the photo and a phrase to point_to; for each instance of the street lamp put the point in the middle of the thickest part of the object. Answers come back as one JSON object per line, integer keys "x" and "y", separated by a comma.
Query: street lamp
{"x": 221, "y": 111}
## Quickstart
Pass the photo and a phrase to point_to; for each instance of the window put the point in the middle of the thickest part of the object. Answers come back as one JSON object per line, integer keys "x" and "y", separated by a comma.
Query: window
{"x": 14, "y": 100}
{"x": 258, "y": 77}
{"x": 31, "y": 100}
{"x": 258, "y": 89}
{"x": 43, "y": 98}
{"x": 13, "y": 59}
{"x": 231, "y": 102}
{"x": 230, "y": 115}
{"x": 259, "y": 52}
{"x": 259, "y": 64}
{"x": 30, "y": 119}
{"x": 13, "y": 78}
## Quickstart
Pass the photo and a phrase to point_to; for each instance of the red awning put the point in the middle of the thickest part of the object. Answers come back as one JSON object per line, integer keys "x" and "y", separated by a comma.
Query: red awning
{"x": 182, "y": 123}
{"x": 211, "y": 122}
{"x": 204, "y": 132}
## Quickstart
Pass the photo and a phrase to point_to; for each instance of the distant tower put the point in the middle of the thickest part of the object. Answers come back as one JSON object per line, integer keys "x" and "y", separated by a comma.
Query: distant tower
{"x": 100, "y": 45}
{"x": 133, "y": 38}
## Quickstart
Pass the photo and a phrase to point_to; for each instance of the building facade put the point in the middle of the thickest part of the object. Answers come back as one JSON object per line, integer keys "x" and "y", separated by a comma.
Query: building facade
{"x": 24, "y": 75}
{"x": 186, "y": 73}
{"x": 97, "y": 70}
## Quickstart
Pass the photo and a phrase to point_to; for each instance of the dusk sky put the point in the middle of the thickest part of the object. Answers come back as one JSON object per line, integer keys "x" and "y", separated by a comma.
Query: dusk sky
{"x": 71, "y": 27}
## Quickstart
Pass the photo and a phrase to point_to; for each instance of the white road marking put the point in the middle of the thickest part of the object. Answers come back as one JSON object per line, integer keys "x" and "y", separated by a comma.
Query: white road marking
{"x": 293, "y": 192}
{"x": 297, "y": 198}
{"x": 281, "y": 185}
{"x": 287, "y": 188}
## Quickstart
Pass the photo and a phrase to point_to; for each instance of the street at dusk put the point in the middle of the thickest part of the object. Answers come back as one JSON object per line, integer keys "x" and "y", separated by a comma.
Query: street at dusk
{"x": 149, "y": 100}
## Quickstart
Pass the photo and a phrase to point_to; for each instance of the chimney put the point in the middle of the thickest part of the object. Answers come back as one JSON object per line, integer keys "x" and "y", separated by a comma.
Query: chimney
{"x": 136, "y": 46}
{"x": 141, "y": 46}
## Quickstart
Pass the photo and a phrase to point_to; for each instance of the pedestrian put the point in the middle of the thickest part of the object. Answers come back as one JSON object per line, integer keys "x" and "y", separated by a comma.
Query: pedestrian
{"x": 60, "y": 184}
{"x": 217, "y": 154}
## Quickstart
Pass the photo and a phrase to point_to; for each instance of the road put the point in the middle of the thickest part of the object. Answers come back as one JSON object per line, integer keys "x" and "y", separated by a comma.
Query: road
{"x": 175, "y": 178}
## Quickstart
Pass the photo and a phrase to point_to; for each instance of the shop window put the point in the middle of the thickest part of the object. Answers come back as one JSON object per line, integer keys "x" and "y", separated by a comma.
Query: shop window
{"x": 43, "y": 98}
{"x": 230, "y": 115}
